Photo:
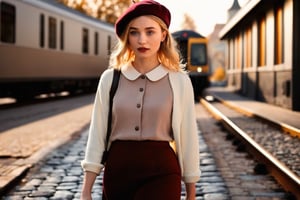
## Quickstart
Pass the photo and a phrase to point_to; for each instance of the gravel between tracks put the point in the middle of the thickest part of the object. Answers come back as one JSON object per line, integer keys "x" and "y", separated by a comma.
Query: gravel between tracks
{"x": 283, "y": 146}
{"x": 237, "y": 168}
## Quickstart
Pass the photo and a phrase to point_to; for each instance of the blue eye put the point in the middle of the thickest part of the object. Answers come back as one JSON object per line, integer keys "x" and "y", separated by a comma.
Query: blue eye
{"x": 133, "y": 32}
{"x": 150, "y": 32}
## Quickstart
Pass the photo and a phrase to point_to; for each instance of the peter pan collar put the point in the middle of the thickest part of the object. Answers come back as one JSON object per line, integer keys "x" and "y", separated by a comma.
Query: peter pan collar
{"x": 154, "y": 75}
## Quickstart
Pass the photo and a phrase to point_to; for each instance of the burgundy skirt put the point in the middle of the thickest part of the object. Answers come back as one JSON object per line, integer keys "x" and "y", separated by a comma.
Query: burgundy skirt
{"x": 141, "y": 170}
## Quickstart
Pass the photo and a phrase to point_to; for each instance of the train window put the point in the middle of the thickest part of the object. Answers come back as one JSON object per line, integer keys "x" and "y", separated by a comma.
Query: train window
{"x": 85, "y": 40}
{"x": 52, "y": 33}
{"x": 230, "y": 54}
{"x": 42, "y": 30}
{"x": 262, "y": 42}
{"x": 248, "y": 47}
{"x": 239, "y": 52}
{"x": 8, "y": 22}
{"x": 109, "y": 45}
{"x": 278, "y": 35}
{"x": 96, "y": 43}
{"x": 62, "y": 33}
{"x": 198, "y": 54}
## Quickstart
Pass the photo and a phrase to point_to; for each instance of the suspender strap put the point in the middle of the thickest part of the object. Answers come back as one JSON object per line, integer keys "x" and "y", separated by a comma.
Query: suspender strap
{"x": 113, "y": 89}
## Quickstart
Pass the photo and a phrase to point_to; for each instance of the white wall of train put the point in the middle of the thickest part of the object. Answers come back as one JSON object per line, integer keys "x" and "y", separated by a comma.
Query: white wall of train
{"x": 46, "y": 47}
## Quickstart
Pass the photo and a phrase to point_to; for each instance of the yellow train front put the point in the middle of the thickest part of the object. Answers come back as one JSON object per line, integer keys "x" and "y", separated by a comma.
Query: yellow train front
{"x": 193, "y": 49}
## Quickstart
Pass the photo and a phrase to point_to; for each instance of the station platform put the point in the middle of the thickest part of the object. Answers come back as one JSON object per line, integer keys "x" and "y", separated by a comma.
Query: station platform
{"x": 287, "y": 119}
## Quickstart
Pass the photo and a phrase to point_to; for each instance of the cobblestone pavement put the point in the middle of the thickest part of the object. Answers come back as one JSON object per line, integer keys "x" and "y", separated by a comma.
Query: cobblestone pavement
{"x": 226, "y": 173}
{"x": 30, "y": 132}
{"x": 59, "y": 176}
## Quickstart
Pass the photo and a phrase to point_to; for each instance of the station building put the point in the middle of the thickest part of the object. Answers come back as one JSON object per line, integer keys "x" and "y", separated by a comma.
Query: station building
{"x": 263, "y": 52}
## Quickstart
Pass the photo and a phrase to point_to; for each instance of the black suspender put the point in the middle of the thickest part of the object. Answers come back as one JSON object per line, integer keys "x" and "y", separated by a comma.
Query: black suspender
{"x": 113, "y": 89}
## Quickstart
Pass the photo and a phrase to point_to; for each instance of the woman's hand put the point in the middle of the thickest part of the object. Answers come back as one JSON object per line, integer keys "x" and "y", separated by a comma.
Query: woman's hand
{"x": 190, "y": 191}
{"x": 86, "y": 196}
{"x": 88, "y": 181}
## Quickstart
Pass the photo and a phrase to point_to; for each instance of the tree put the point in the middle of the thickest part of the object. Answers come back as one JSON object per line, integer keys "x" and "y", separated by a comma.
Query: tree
{"x": 188, "y": 22}
{"x": 76, "y": 5}
{"x": 106, "y": 10}
{"x": 219, "y": 74}
{"x": 110, "y": 10}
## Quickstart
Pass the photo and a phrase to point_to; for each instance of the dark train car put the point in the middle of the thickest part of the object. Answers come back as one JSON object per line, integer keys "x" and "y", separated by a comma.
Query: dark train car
{"x": 46, "y": 47}
{"x": 193, "y": 49}
{"x": 263, "y": 61}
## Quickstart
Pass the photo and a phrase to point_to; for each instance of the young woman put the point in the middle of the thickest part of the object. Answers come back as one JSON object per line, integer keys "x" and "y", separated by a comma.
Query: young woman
{"x": 154, "y": 142}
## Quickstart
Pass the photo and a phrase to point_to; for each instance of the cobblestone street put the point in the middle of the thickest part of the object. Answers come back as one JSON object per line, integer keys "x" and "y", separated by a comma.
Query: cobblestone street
{"x": 56, "y": 174}
{"x": 59, "y": 176}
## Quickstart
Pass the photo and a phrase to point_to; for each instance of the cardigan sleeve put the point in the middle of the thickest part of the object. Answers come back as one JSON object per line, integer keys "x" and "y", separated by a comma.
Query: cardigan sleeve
{"x": 97, "y": 130}
{"x": 185, "y": 127}
{"x": 189, "y": 136}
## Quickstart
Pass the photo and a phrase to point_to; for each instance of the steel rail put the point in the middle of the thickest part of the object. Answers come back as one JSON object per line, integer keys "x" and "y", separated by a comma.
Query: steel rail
{"x": 295, "y": 132}
{"x": 284, "y": 176}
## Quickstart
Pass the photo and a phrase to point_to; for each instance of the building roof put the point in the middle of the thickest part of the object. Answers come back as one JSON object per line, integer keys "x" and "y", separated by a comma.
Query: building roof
{"x": 238, "y": 17}
{"x": 235, "y": 5}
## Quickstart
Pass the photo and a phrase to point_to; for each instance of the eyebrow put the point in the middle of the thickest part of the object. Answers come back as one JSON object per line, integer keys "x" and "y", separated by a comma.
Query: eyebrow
{"x": 147, "y": 28}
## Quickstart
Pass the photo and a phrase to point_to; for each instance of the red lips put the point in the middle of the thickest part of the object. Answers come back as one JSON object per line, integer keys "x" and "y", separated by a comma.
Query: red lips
{"x": 142, "y": 49}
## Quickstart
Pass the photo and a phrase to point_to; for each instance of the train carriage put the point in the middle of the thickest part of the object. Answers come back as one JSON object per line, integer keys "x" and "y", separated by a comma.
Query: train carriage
{"x": 46, "y": 47}
{"x": 193, "y": 49}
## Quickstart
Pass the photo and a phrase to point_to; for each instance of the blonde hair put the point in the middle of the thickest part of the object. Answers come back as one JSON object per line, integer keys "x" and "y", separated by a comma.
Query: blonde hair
{"x": 168, "y": 54}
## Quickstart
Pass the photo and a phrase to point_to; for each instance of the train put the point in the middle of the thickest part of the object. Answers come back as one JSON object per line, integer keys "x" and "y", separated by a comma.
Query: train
{"x": 194, "y": 54}
{"x": 46, "y": 47}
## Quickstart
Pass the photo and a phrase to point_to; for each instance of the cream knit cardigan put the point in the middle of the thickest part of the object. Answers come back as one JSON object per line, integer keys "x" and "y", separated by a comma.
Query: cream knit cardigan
{"x": 183, "y": 124}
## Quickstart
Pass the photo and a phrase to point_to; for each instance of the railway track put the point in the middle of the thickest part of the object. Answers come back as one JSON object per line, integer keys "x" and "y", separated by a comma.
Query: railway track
{"x": 277, "y": 151}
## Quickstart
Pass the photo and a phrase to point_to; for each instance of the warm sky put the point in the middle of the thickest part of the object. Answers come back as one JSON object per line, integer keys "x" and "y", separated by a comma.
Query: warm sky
{"x": 205, "y": 13}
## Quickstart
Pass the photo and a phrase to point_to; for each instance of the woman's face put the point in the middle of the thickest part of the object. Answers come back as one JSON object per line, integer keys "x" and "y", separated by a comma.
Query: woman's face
{"x": 145, "y": 37}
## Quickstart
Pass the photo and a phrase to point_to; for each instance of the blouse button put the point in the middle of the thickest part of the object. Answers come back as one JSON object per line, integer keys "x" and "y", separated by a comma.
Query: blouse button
{"x": 138, "y": 105}
{"x": 143, "y": 76}
{"x": 141, "y": 89}
{"x": 136, "y": 128}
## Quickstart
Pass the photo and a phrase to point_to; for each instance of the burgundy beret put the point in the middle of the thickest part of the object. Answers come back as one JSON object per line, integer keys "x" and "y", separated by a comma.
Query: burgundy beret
{"x": 144, "y": 7}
